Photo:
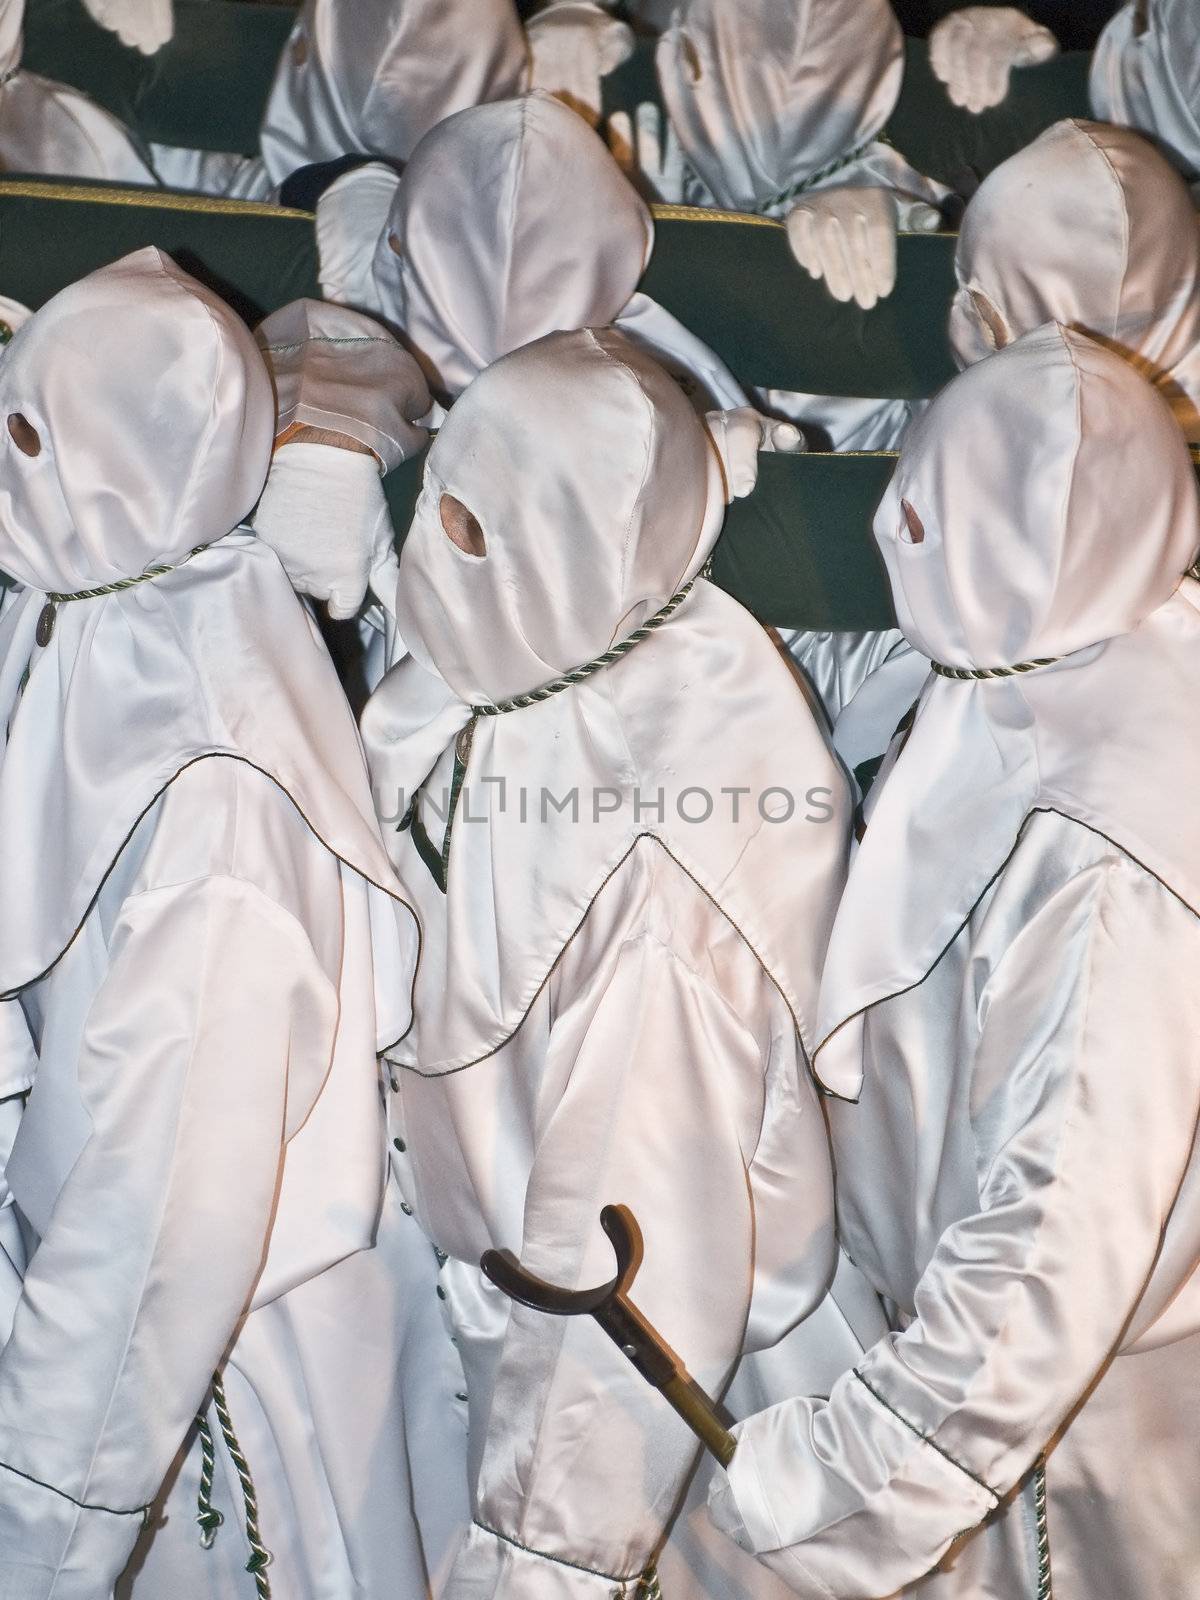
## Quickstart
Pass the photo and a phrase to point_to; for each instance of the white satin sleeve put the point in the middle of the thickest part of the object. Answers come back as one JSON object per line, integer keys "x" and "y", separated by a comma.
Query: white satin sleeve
{"x": 839, "y": 666}
{"x": 661, "y": 1109}
{"x": 1087, "y": 1063}
{"x": 157, "y": 1237}
{"x": 834, "y": 422}
{"x": 216, "y": 172}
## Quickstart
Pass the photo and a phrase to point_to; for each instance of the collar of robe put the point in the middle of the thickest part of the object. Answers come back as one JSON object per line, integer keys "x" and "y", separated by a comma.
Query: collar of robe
{"x": 438, "y": 860}
{"x": 758, "y": 817}
{"x": 55, "y": 598}
{"x": 816, "y": 179}
{"x": 1101, "y": 736}
{"x": 214, "y": 658}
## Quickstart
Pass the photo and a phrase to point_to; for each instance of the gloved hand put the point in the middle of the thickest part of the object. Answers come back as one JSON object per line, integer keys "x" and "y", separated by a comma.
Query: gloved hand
{"x": 573, "y": 44}
{"x": 145, "y": 24}
{"x": 652, "y": 159}
{"x": 324, "y": 514}
{"x": 848, "y": 237}
{"x": 740, "y": 436}
{"x": 340, "y": 371}
{"x": 973, "y": 51}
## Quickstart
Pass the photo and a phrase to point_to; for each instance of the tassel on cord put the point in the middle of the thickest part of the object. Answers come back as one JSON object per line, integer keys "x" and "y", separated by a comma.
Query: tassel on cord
{"x": 207, "y": 1515}
{"x": 209, "y": 1518}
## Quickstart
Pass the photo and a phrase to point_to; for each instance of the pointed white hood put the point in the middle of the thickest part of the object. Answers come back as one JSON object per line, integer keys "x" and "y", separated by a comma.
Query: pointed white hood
{"x": 764, "y": 94}
{"x": 1108, "y": 243}
{"x": 1048, "y": 540}
{"x": 599, "y": 498}
{"x": 136, "y": 420}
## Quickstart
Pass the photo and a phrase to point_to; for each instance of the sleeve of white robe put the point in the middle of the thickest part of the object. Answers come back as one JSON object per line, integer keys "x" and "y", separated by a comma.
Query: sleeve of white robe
{"x": 839, "y": 664}
{"x": 661, "y": 1106}
{"x": 217, "y": 172}
{"x": 158, "y": 1235}
{"x": 1088, "y": 1055}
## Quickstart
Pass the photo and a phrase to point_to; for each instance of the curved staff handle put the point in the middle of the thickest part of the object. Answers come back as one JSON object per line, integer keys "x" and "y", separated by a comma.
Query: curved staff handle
{"x": 625, "y": 1325}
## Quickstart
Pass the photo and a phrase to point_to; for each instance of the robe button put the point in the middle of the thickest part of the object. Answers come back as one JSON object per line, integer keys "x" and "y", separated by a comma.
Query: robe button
{"x": 406, "y": 1208}
{"x": 441, "y": 1293}
{"x": 400, "y": 1145}
{"x": 460, "y": 1394}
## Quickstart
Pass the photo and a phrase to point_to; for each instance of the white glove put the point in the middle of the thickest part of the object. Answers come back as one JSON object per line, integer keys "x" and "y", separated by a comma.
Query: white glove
{"x": 739, "y": 437}
{"x": 572, "y": 46}
{"x": 652, "y": 159}
{"x": 324, "y": 514}
{"x": 974, "y": 50}
{"x": 848, "y": 237}
{"x": 146, "y": 25}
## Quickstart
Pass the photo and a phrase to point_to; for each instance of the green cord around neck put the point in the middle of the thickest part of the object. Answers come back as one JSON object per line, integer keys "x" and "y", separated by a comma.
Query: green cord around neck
{"x": 56, "y": 598}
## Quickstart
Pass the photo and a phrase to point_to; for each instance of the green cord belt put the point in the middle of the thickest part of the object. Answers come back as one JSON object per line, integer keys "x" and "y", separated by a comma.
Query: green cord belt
{"x": 970, "y": 673}
{"x": 54, "y": 599}
{"x": 209, "y": 1518}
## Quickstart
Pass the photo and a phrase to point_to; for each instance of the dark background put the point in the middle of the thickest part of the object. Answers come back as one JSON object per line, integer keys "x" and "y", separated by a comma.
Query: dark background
{"x": 1075, "y": 23}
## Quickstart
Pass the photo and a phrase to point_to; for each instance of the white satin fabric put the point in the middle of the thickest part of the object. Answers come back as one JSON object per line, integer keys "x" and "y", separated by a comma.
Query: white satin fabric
{"x": 1108, "y": 244}
{"x": 48, "y": 127}
{"x": 558, "y": 239}
{"x": 364, "y": 79}
{"x": 1001, "y": 748}
{"x": 70, "y": 522}
{"x": 373, "y": 77}
{"x": 841, "y": 422}
{"x": 1014, "y": 955}
{"x": 865, "y": 682}
{"x": 1146, "y": 74}
{"x": 765, "y": 96}
{"x": 198, "y": 908}
{"x": 607, "y": 991}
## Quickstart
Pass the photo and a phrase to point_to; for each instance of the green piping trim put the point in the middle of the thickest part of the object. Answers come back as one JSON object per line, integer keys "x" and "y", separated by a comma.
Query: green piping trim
{"x": 84, "y": 1505}
{"x": 924, "y": 1437}
{"x": 559, "y": 1561}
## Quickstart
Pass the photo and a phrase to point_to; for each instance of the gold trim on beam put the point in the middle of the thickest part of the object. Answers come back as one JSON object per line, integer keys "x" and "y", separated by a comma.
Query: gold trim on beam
{"x": 146, "y": 199}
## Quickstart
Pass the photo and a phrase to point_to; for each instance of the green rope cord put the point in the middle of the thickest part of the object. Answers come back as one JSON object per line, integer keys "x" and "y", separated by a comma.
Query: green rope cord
{"x": 56, "y": 598}
{"x": 207, "y": 1515}
{"x": 803, "y": 185}
{"x": 1045, "y": 1577}
{"x": 260, "y": 1556}
{"x": 649, "y": 1587}
{"x": 590, "y": 668}
{"x": 123, "y": 583}
{"x": 964, "y": 674}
